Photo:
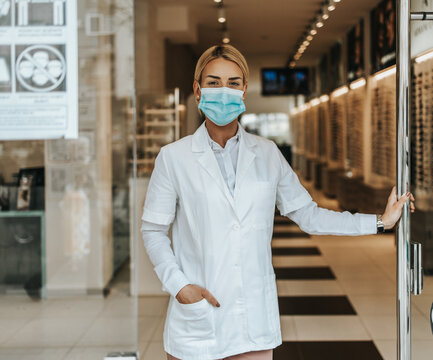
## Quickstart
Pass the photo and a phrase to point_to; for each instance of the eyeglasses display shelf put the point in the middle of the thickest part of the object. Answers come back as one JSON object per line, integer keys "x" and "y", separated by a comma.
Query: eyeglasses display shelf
{"x": 158, "y": 124}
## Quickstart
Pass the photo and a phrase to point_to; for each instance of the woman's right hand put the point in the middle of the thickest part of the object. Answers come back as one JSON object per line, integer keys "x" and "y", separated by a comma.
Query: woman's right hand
{"x": 192, "y": 293}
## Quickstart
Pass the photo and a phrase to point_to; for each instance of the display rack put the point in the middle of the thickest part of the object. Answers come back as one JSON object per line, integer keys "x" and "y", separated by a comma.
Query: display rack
{"x": 323, "y": 128}
{"x": 421, "y": 134}
{"x": 383, "y": 131}
{"x": 355, "y": 133}
{"x": 312, "y": 131}
{"x": 337, "y": 120}
{"x": 158, "y": 124}
{"x": 297, "y": 124}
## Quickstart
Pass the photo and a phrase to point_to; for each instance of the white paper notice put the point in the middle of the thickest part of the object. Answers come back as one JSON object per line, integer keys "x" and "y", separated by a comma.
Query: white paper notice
{"x": 38, "y": 69}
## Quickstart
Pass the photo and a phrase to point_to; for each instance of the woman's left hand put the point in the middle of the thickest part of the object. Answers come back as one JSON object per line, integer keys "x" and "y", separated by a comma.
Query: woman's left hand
{"x": 394, "y": 208}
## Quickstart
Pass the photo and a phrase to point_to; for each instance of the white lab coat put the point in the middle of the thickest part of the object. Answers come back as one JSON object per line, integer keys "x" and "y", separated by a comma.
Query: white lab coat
{"x": 223, "y": 243}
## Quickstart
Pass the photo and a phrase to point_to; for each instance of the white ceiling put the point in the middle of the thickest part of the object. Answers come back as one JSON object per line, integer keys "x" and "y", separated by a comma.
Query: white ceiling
{"x": 263, "y": 27}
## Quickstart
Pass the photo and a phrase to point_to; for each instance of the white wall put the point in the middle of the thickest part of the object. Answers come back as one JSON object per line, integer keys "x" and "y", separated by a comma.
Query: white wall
{"x": 149, "y": 49}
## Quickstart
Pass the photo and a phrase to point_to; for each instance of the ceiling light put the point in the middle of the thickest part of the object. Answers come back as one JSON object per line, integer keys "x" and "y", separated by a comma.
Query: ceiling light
{"x": 313, "y": 31}
{"x": 306, "y": 43}
{"x": 424, "y": 57}
{"x": 386, "y": 73}
{"x": 217, "y": 1}
{"x": 304, "y": 107}
{"x": 319, "y": 24}
{"x": 301, "y": 50}
{"x": 340, "y": 91}
{"x": 314, "y": 102}
{"x": 325, "y": 16}
{"x": 337, "y": 1}
{"x": 357, "y": 84}
{"x": 225, "y": 36}
{"x": 309, "y": 38}
{"x": 292, "y": 64}
{"x": 324, "y": 98}
{"x": 331, "y": 7}
{"x": 221, "y": 15}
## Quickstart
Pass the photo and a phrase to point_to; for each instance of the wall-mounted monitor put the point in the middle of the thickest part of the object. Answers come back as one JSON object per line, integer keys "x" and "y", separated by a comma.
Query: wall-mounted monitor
{"x": 285, "y": 81}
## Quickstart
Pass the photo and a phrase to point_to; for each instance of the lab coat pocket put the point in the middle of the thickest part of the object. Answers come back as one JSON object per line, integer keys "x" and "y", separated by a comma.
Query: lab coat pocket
{"x": 192, "y": 325}
{"x": 263, "y": 195}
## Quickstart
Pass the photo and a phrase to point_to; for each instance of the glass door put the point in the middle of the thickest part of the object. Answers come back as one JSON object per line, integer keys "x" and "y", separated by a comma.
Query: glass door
{"x": 421, "y": 159}
{"x": 414, "y": 237}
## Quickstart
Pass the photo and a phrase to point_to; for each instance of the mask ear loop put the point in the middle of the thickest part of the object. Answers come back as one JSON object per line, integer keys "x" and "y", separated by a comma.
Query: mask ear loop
{"x": 200, "y": 91}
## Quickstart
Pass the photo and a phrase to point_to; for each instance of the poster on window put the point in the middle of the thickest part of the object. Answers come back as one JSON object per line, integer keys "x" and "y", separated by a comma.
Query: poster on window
{"x": 421, "y": 31}
{"x": 38, "y": 69}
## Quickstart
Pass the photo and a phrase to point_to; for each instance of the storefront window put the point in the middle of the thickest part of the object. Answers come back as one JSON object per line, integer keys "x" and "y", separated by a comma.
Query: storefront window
{"x": 66, "y": 209}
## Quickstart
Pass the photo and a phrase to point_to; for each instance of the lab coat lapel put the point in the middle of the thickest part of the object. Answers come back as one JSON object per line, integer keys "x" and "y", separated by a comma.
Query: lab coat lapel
{"x": 209, "y": 163}
{"x": 245, "y": 158}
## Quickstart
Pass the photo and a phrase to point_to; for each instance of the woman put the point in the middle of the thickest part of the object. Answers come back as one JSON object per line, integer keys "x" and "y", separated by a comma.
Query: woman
{"x": 219, "y": 187}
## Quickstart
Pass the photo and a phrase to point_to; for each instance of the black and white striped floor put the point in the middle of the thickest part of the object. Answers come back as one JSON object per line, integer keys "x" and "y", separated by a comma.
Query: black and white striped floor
{"x": 337, "y": 295}
{"x": 315, "y": 313}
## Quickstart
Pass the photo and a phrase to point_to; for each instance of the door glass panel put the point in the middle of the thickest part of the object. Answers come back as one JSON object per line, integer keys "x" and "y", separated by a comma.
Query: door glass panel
{"x": 421, "y": 221}
{"x": 66, "y": 244}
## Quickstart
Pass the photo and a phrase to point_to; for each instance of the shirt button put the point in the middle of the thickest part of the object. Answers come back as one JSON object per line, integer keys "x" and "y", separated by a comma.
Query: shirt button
{"x": 236, "y": 227}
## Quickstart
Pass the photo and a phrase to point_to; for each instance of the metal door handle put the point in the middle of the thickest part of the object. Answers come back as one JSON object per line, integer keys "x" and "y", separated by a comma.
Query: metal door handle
{"x": 431, "y": 318}
{"x": 416, "y": 270}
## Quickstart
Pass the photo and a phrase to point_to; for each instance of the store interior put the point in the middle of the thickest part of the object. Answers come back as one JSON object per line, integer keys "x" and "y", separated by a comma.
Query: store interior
{"x": 75, "y": 279}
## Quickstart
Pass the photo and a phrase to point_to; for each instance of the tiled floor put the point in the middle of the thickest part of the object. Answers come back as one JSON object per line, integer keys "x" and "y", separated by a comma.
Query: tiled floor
{"x": 336, "y": 298}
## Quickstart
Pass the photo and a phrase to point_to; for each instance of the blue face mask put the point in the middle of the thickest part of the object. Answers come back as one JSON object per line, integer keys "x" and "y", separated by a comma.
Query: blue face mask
{"x": 221, "y": 104}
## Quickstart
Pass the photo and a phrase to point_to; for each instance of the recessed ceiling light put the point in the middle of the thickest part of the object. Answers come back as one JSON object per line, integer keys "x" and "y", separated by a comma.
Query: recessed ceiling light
{"x": 221, "y": 15}
{"x": 217, "y": 1}
{"x": 331, "y": 7}
{"x": 325, "y": 16}
{"x": 319, "y": 24}
{"x": 226, "y": 37}
{"x": 313, "y": 32}
{"x": 306, "y": 43}
{"x": 337, "y": 1}
{"x": 309, "y": 38}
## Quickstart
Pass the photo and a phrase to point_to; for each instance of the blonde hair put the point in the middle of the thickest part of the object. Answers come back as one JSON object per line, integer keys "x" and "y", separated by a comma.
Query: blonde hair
{"x": 226, "y": 51}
